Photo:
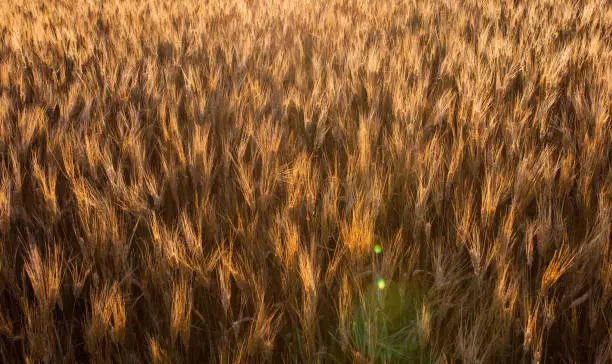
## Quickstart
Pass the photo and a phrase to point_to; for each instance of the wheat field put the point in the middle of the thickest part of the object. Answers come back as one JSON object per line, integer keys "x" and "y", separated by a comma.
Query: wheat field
{"x": 332, "y": 181}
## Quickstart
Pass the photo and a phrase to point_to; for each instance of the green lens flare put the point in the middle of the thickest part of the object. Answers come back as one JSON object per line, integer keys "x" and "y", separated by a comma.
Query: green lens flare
{"x": 381, "y": 284}
{"x": 377, "y": 249}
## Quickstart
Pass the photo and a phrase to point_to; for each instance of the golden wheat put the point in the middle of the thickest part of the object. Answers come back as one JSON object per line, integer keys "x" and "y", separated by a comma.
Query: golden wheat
{"x": 305, "y": 181}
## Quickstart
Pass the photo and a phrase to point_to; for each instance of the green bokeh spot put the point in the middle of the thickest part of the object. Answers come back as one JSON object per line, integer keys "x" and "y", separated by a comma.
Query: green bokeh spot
{"x": 384, "y": 322}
